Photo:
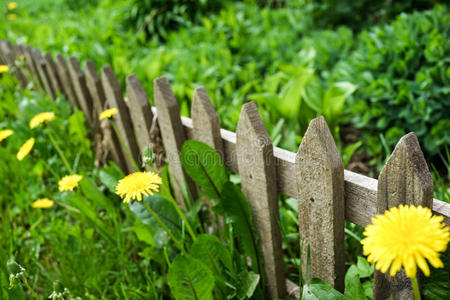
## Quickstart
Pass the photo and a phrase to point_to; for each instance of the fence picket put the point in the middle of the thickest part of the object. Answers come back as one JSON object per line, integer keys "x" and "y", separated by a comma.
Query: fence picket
{"x": 33, "y": 68}
{"x": 206, "y": 126}
{"x": 257, "y": 167}
{"x": 53, "y": 73}
{"x": 95, "y": 87}
{"x": 9, "y": 56}
{"x": 66, "y": 81}
{"x": 81, "y": 91}
{"x": 320, "y": 185}
{"x": 114, "y": 97}
{"x": 140, "y": 110}
{"x": 41, "y": 67}
{"x": 173, "y": 135}
{"x": 405, "y": 179}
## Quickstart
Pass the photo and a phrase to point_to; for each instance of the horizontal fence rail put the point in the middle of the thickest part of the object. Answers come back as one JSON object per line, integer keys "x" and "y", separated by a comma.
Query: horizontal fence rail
{"x": 327, "y": 194}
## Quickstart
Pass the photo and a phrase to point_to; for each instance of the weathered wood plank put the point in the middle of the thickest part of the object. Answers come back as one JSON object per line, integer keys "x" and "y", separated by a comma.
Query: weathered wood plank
{"x": 9, "y": 55}
{"x": 66, "y": 81}
{"x": 53, "y": 73}
{"x": 83, "y": 96}
{"x": 257, "y": 167}
{"x": 360, "y": 190}
{"x": 206, "y": 126}
{"x": 405, "y": 179}
{"x": 107, "y": 143}
{"x": 95, "y": 88}
{"x": 41, "y": 67}
{"x": 173, "y": 136}
{"x": 140, "y": 110}
{"x": 33, "y": 68}
{"x": 114, "y": 97}
{"x": 320, "y": 184}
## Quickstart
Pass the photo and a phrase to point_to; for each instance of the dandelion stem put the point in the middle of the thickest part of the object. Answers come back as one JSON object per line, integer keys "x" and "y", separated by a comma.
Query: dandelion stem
{"x": 50, "y": 169}
{"x": 415, "y": 287}
{"x": 183, "y": 217}
{"x": 166, "y": 229}
{"x": 60, "y": 153}
{"x": 35, "y": 295}
{"x": 127, "y": 150}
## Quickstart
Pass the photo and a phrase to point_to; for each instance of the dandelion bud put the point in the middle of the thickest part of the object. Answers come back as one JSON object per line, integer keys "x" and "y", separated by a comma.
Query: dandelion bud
{"x": 13, "y": 267}
{"x": 148, "y": 157}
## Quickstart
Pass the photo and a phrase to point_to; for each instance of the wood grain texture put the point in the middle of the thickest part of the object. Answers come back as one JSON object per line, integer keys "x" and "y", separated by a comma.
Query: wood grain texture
{"x": 257, "y": 167}
{"x": 140, "y": 110}
{"x": 33, "y": 68}
{"x": 79, "y": 84}
{"x": 405, "y": 179}
{"x": 114, "y": 98}
{"x": 9, "y": 55}
{"x": 320, "y": 183}
{"x": 66, "y": 80}
{"x": 95, "y": 88}
{"x": 173, "y": 136}
{"x": 43, "y": 73}
{"x": 206, "y": 126}
{"x": 53, "y": 73}
{"x": 360, "y": 191}
{"x": 106, "y": 139}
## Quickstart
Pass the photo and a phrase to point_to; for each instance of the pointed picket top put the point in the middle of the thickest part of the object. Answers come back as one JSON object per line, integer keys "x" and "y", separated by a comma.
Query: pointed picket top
{"x": 173, "y": 135}
{"x": 140, "y": 110}
{"x": 66, "y": 81}
{"x": 405, "y": 179}
{"x": 114, "y": 98}
{"x": 257, "y": 167}
{"x": 206, "y": 126}
{"x": 320, "y": 184}
{"x": 95, "y": 87}
{"x": 81, "y": 91}
{"x": 43, "y": 72}
{"x": 53, "y": 73}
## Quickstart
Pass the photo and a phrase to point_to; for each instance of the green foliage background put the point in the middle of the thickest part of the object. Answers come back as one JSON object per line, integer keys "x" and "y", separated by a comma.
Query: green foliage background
{"x": 378, "y": 66}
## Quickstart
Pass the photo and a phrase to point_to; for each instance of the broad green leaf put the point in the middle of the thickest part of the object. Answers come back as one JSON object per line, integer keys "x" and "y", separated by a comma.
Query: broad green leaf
{"x": 247, "y": 283}
{"x": 237, "y": 212}
{"x": 204, "y": 166}
{"x": 353, "y": 287}
{"x": 291, "y": 93}
{"x": 92, "y": 192}
{"x": 319, "y": 289}
{"x": 313, "y": 95}
{"x": 190, "y": 279}
{"x": 334, "y": 99}
{"x": 110, "y": 175}
{"x": 164, "y": 209}
{"x": 364, "y": 268}
{"x": 211, "y": 250}
{"x": 144, "y": 233}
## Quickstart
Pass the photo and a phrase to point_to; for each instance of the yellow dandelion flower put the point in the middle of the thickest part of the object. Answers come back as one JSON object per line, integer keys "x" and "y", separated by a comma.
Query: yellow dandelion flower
{"x": 25, "y": 149}
{"x": 5, "y": 133}
{"x": 42, "y": 203}
{"x": 11, "y": 17}
{"x": 69, "y": 182}
{"x": 12, "y": 5}
{"x": 4, "y": 68}
{"x": 404, "y": 237}
{"x": 108, "y": 113}
{"x": 137, "y": 184}
{"x": 41, "y": 119}
{"x": 21, "y": 58}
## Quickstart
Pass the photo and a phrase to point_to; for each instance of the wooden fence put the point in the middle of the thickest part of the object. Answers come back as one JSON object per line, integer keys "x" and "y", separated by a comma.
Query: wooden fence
{"x": 327, "y": 194}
